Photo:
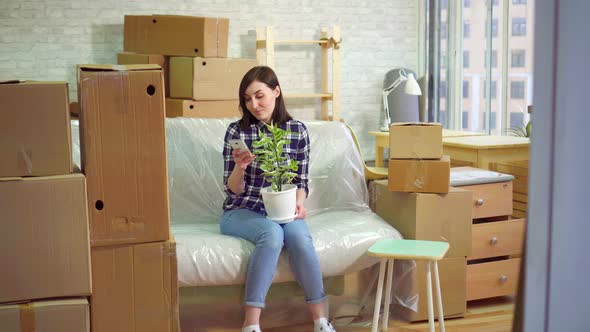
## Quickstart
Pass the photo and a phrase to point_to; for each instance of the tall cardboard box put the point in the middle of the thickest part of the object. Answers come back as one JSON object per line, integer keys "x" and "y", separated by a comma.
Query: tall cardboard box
{"x": 453, "y": 277}
{"x": 135, "y": 288}
{"x": 207, "y": 79}
{"x": 129, "y": 58}
{"x": 415, "y": 140}
{"x": 44, "y": 249}
{"x": 65, "y": 315}
{"x": 176, "y": 35}
{"x": 435, "y": 217}
{"x": 123, "y": 153}
{"x": 420, "y": 175}
{"x": 35, "y": 134}
{"x": 202, "y": 108}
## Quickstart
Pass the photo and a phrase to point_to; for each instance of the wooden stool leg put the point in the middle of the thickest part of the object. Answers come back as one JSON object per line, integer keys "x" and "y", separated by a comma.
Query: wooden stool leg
{"x": 378, "y": 295}
{"x": 441, "y": 316}
{"x": 429, "y": 297}
{"x": 389, "y": 277}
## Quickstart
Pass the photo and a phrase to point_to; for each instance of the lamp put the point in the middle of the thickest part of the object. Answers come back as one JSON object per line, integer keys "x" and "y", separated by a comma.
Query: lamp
{"x": 411, "y": 88}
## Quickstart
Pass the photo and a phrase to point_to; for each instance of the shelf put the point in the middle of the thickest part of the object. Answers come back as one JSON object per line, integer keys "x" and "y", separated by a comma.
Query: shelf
{"x": 262, "y": 43}
{"x": 307, "y": 95}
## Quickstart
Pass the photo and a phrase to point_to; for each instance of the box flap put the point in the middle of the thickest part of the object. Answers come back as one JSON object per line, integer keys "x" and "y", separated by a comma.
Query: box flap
{"x": 42, "y": 178}
{"x": 416, "y": 124}
{"x": 113, "y": 67}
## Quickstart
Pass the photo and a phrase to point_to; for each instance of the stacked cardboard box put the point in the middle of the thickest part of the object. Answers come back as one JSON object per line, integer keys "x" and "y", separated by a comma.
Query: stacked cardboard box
{"x": 123, "y": 154}
{"x": 44, "y": 242}
{"x": 418, "y": 201}
{"x": 200, "y": 81}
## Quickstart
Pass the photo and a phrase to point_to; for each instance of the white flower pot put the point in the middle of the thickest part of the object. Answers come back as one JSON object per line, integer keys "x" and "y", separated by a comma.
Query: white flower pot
{"x": 280, "y": 206}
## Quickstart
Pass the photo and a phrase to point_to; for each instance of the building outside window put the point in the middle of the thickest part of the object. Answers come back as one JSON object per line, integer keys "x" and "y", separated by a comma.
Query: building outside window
{"x": 465, "y": 59}
{"x": 493, "y": 87}
{"x": 517, "y": 89}
{"x": 518, "y": 26}
{"x": 465, "y": 89}
{"x": 517, "y": 58}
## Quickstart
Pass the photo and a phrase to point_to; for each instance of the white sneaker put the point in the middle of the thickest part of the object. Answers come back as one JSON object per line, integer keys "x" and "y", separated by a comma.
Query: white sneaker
{"x": 324, "y": 327}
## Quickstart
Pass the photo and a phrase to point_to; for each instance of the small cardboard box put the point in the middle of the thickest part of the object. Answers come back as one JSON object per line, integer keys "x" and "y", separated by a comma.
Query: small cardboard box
{"x": 128, "y": 58}
{"x": 176, "y": 35}
{"x": 453, "y": 277}
{"x": 415, "y": 140}
{"x": 66, "y": 315}
{"x": 202, "y": 108}
{"x": 44, "y": 238}
{"x": 123, "y": 153}
{"x": 420, "y": 175}
{"x": 207, "y": 79}
{"x": 135, "y": 288}
{"x": 434, "y": 217}
{"x": 35, "y": 134}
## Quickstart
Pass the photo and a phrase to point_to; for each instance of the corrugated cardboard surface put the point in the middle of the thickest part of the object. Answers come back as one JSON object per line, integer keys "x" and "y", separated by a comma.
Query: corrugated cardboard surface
{"x": 453, "y": 278}
{"x": 128, "y": 58}
{"x": 202, "y": 108}
{"x": 44, "y": 248}
{"x": 176, "y": 35}
{"x": 123, "y": 154}
{"x": 68, "y": 315}
{"x": 420, "y": 175}
{"x": 35, "y": 129}
{"x": 435, "y": 217}
{"x": 135, "y": 288}
{"x": 415, "y": 140}
{"x": 207, "y": 79}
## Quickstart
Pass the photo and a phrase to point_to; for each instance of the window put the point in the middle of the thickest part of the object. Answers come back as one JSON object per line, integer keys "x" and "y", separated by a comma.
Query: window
{"x": 519, "y": 2}
{"x": 517, "y": 89}
{"x": 516, "y": 119}
{"x": 443, "y": 4}
{"x": 442, "y": 89}
{"x": 493, "y": 120}
{"x": 465, "y": 59}
{"x": 494, "y": 28}
{"x": 466, "y": 30}
{"x": 442, "y": 118}
{"x": 466, "y": 3}
{"x": 494, "y": 59}
{"x": 443, "y": 30}
{"x": 519, "y": 26}
{"x": 517, "y": 58}
{"x": 485, "y": 89}
{"x": 465, "y": 119}
{"x": 465, "y": 89}
{"x": 443, "y": 61}
{"x": 495, "y": 3}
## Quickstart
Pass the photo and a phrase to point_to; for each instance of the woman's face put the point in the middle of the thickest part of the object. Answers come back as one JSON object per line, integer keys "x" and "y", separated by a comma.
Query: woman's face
{"x": 260, "y": 100}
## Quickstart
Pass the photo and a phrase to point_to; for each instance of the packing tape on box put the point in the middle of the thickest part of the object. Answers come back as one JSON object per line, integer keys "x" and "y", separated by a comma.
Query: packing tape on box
{"x": 421, "y": 171}
{"x": 25, "y": 160}
{"x": 27, "y": 317}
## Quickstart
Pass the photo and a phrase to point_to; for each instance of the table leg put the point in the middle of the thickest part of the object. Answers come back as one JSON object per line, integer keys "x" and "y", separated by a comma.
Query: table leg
{"x": 429, "y": 297}
{"x": 441, "y": 316}
{"x": 389, "y": 277}
{"x": 375, "y": 325}
{"x": 379, "y": 156}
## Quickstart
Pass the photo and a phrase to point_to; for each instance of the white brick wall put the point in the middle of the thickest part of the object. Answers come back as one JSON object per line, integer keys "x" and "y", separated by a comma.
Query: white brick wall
{"x": 44, "y": 40}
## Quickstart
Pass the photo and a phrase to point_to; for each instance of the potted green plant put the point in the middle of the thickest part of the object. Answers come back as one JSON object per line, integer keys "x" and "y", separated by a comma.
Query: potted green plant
{"x": 280, "y": 197}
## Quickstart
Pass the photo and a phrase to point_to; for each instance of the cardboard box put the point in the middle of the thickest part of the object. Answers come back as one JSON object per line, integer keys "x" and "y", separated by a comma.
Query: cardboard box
{"x": 415, "y": 140}
{"x": 123, "y": 153}
{"x": 453, "y": 278}
{"x": 207, "y": 79}
{"x": 202, "y": 108}
{"x": 128, "y": 58}
{"x": 35, "y": 129}
{"x": 435, "y": 217}
{"x": 420, "y": 175}
{"x": 44, "y": 247}
{"x": 176, "y": 35}
{"x": 135, "y": 288}
{"x": 68, "y": 315}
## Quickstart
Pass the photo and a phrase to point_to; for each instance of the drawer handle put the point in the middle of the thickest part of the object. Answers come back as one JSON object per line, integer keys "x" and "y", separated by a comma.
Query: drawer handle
{"x": 494, "y": 241}
{"x": 503, "y": 279}
{"x": 479, "y": 202}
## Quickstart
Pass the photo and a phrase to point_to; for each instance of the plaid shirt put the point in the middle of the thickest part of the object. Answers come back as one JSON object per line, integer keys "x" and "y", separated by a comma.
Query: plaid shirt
{"x": 251, "y": 198}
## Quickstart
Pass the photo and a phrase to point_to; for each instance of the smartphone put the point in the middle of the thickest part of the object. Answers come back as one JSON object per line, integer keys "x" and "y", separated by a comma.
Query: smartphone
{"x": 239, "y": 143}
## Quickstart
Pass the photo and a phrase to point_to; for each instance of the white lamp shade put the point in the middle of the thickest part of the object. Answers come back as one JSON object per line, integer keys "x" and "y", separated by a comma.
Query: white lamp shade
{"x": 412, "y": 87}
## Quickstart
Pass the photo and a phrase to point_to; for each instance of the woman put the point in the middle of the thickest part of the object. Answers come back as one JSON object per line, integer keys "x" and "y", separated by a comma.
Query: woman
{"x": 261, "y": 101}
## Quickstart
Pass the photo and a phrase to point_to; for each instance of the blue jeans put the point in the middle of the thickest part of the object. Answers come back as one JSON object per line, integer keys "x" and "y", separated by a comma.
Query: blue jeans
{"x": 268, "y": 238}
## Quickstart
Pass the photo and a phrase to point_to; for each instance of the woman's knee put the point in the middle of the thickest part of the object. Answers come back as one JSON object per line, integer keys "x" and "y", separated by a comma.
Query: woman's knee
{"x": 271, "y": 237}
{"x": 298, "y": 240}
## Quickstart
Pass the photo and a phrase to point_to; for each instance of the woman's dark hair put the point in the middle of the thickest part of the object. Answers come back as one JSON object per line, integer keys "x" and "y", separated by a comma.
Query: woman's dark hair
{"x": 267, "y": 76}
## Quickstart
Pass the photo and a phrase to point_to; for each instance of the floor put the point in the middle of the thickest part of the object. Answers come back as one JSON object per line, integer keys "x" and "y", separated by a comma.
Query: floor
{"x": 490, "y": 315}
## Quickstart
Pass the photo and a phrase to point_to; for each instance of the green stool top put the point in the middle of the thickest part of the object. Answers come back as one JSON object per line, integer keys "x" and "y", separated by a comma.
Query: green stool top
{"x": 409, "y": 249}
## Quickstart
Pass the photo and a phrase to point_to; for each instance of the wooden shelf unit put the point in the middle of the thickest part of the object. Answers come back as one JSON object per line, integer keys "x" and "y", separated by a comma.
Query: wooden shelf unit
{"x": 265, "y": 54}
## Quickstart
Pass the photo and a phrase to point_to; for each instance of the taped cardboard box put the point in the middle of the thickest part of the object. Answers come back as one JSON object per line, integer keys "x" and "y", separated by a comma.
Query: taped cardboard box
{"x": 67, "y": 315}
{"x": 176, "y": 35}
{"x": 415, "y": 140}
{"x": 44, "y": 247}
{"x": 34, "y": 129}
{"x": 207, "y": 79}
{"x": 123, "y": 153}
{"x": 453, "y": 279}
{"x": 129, "y": 58}
{"x": 420, "y": 175}
{"x": 202, "y": 108}
{"x": 135, "y": 288}
{"x": 434, "y": 217}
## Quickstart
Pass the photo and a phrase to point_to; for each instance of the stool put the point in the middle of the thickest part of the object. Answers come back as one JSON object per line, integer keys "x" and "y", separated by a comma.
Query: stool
{"x": 390, "y": 249}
